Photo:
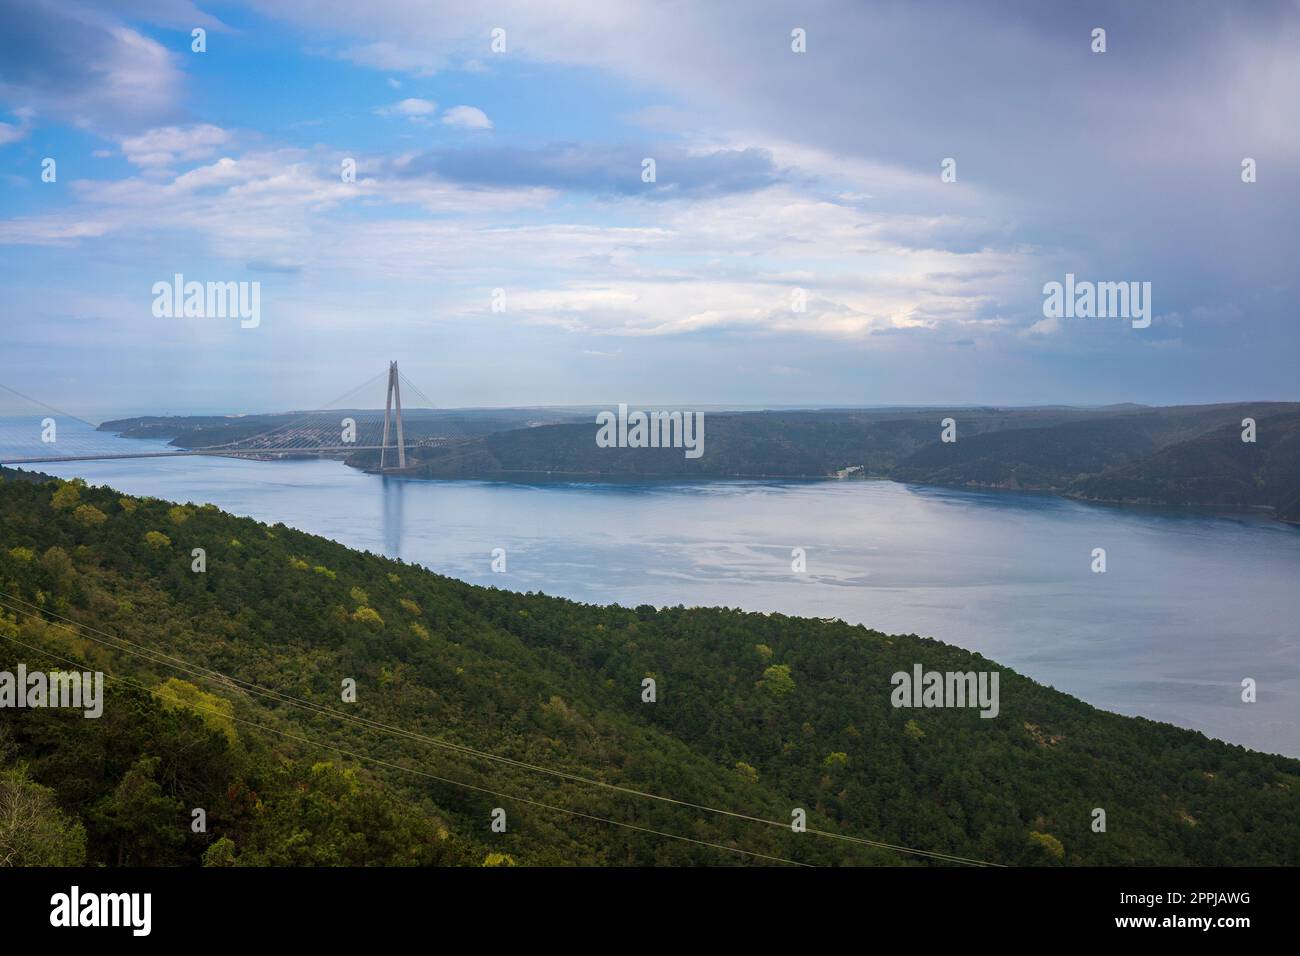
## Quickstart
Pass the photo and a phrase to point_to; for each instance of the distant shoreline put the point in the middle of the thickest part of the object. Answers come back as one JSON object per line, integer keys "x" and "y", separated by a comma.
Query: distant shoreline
{"x": 1198, "y": 456}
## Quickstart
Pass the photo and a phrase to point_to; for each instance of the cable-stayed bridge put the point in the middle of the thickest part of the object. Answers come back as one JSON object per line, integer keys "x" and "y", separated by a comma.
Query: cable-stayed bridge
{"x": 37, "y": 433}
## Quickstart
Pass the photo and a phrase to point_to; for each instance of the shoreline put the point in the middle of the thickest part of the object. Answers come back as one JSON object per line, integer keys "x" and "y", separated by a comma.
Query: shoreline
{"x": 530, "y": 476}
{"x": 604, "y": 478}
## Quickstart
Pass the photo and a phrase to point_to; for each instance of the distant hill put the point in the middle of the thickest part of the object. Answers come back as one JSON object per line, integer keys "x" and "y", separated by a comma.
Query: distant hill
{"x": 198, "y": 431}
{"x": 1177, "y": 455}
{"x": 1180, "y": 455}
{"x": 786, "y": 444}
{"x": 1215, "y": 468}
{"x": 470, "y": 699}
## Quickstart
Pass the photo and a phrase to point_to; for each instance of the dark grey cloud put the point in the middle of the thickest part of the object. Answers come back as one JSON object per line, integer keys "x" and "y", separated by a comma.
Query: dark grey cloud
{"x": 81, "y": 65}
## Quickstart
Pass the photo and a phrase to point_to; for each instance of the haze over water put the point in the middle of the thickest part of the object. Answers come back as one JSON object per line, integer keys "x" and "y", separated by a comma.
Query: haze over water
{"x": 1191, "y": 603}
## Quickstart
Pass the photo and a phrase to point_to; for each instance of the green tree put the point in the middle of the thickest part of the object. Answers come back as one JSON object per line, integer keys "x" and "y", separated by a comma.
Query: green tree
{"x": 221, "y": 853}
{"x": 215, "y": 712}
{"x": 67, "y": 495}
{"x": 58, "y": 565}
{"x": 143, "y": 826}
{"x": 777, "y": 680}
{"x": 33, "y": 830}
{"x": 89, "y": 515}
{"x": 1049, "y": 844}
{"x": 368, "y": 615}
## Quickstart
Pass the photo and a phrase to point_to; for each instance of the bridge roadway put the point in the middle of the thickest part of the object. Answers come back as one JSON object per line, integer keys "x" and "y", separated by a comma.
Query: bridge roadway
{"x": 192, "y": 451}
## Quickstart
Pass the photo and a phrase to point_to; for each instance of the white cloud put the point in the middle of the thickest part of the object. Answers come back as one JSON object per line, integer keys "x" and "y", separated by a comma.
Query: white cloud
{"x": 467, "y": 117}
{"x": 13, "y": 132}
{"x": 50, "y": 231}
{"x": 412, "y": 108}
{"x": 169, "y": 144}
{"x": 1048, "y": 325}
{"x": 725, "y": 262}
{"x": 386, "y": 55}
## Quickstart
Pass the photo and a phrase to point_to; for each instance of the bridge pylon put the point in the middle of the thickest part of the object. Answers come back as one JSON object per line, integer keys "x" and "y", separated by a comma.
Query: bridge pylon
{"x": 393, "y": 398}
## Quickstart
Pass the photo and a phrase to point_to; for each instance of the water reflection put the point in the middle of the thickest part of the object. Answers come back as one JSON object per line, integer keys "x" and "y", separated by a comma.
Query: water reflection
{"x": 393, "y": 491}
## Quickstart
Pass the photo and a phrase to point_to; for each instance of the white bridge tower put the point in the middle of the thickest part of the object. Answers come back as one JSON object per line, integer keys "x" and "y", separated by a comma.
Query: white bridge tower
{"x": 394, "y": 398}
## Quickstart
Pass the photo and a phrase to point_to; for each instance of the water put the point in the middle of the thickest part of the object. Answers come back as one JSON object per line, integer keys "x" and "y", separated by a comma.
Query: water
{"x": 1190, "y": 605}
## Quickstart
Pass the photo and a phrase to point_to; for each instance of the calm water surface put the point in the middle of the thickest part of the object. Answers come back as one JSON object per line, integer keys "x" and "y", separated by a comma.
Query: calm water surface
{"x": 1191, "y": 602}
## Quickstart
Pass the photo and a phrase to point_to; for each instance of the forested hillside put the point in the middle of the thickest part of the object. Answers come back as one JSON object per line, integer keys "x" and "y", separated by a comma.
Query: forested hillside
{"x": 470, "y": 699}
{"x": 1215, "y": 468}
{"x": 202, "y": 431}
{"x": 1179, "y": 455}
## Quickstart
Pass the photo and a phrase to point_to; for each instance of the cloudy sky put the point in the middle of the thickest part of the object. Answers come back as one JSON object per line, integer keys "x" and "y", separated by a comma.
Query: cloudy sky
{"x": 521, "y": 170}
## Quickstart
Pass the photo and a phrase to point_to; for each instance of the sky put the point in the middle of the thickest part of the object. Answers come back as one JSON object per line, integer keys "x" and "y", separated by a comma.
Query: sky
{"x": 798, "y": 243}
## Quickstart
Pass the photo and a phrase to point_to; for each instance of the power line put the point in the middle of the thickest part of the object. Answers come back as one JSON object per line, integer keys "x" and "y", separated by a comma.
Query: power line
{"x": 281, "y": 697}
{"x": 432, "y": 776}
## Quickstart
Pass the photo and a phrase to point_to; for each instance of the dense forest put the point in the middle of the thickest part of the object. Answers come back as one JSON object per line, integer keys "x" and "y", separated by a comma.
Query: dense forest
{"x": 1182, "y": 455}
{"x": 225, "y": 694}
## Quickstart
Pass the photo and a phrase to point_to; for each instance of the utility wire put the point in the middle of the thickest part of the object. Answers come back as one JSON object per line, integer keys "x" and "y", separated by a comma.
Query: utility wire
{"x": 281, "y": 697}
{"x": 432, "y": 776}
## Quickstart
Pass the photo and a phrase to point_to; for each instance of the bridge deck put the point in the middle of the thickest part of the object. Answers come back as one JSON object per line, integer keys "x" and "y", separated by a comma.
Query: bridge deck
{"x": 225, "y": 452}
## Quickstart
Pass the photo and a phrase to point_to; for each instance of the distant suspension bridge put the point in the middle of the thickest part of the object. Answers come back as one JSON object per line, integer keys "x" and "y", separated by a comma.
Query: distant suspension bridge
{"x": 319, "y": 432}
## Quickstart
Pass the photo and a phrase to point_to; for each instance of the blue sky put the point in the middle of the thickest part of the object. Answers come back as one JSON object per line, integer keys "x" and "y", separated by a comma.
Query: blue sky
{"x": 521, "y": 171}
